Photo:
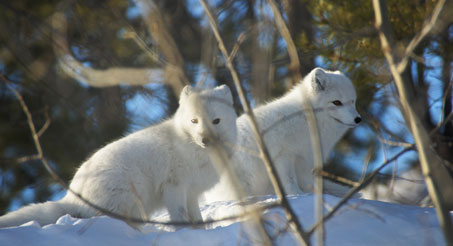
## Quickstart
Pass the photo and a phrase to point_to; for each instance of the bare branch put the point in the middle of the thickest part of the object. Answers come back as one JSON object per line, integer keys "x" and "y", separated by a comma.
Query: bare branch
{"x": 94, "y": 77}
{"x": 139, "y": 202}
{"x": 219, "y": 159}
{"x": 219, "y": 155}
{"x": 392, "y": 143}
{"x": 27, "y": 158}
{"x": 364, "y": 181}
{"x": 311, "y": 119}
{"x": 340, "y": 179}
{"x": 241, "y": 39}
{"x": 356, "y": 189}
{"x": 46, "y": 124}
{"x": 441, "y": 123}
{"x": 28, "y": 115}
{"x": 174, "y": 69}
{"x": 432, "y": 168}
{"x": 367, "y": 160}
{"x": 39, "y": 156}
{"x": 292, "y": 51}
{"x": 429, "y": 25}
{"x": 276, "y": 182}
{"x": 153, "y": 54}
{"x": 444, "y": 101}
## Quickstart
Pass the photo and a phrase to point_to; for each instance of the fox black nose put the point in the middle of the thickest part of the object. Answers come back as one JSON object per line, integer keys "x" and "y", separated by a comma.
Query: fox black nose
{"x": 205, "y": 140}
{"x": 357, "y": 120}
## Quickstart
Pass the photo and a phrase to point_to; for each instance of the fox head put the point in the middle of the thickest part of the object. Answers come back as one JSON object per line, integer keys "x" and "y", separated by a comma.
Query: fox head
{"x": 207, "y": 116}
{"x": 334, "y": 95}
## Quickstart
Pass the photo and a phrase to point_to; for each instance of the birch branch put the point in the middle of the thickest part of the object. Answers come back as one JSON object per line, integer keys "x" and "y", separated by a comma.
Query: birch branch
{"x": 364, "y": 181}
{"x": 311, "y": 119}
{"x": 276, "y": 182}
{"x": 429, "y": 25}
{"x": 174, "y": 67}
{"x": 95, "y": 77}
{"x": 429, "y": 161}
{"x": 220, "y": 158}
{"x": 285, "y": 33}
{"x": 40, "y": 156}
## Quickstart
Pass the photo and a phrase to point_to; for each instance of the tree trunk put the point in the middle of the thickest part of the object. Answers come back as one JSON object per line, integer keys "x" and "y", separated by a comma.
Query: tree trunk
{"x": 300, "y": 22}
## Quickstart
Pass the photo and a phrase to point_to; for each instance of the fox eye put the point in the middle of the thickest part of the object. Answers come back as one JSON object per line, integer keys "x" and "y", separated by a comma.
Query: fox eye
{"x": 216, "y": 121}
{"x": 337, "y": 103}
{"x": 195, "y": 121}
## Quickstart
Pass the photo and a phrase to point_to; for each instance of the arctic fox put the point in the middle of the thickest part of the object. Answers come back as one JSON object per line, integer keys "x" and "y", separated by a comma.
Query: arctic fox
{"x": 285, "y": 131}
{"x": 163, "y": 166}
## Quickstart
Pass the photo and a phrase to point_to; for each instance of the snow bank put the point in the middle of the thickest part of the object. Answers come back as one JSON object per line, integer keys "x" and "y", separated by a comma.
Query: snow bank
{"x": 360, "y": 222}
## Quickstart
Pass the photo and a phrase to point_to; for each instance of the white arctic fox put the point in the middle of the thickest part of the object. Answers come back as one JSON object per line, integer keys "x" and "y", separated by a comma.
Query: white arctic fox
{"x": 287, "y": 136}
{"x": 163, "y": 166}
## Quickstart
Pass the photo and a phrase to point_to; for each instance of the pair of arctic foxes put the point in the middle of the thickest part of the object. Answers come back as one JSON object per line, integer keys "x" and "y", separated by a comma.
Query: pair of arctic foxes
{"x": 169, "y": 165}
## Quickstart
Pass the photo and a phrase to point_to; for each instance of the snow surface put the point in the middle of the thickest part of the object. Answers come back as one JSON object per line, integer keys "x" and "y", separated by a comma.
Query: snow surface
{"x": 360, "y": 222}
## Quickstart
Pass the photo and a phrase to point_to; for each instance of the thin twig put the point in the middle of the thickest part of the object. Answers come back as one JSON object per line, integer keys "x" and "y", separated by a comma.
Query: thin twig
{"x": 429, "y": 161}
{"x": 104, "y": 211}
{"x": 138, "y": 201}
{"x": 46, "y": 124}
{"x": 23, "y": 159}
{"x": 441, "y": 124}
{"x": 364, "y": 181}
{"x": 392, "y": 143}
{"x": 96, "y": 77}
{"x": 447, "y": 91}
{"x": 153, "y": 54}
{"x": 276, "y": 182}
{"x": 220, "y": 159}
{"x": 155, "y": 21}
{"x": 429, "y": 25}
{"x": 236, "y": 46}
{"x": 337, "y": 178}
{"x": 27, "y": 114}
{"x": 391, "y": 186}
{"x": 353, "y": 191}
{"x": 311, "y": 120}
{"x": 367, "y": 160}
{"x": 292, "y": 51}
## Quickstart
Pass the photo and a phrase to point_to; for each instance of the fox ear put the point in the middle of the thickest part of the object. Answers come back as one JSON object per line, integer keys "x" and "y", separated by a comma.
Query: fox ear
{"x": 186, "y": 91}
{"x": 319, "y": 79}
{"x": 224, "y": 92}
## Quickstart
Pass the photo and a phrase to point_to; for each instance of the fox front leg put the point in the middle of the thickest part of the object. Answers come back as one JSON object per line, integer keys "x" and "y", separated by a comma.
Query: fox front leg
{"x": 194, "y": 209}
{"x": 175, "y": 199}
{"x": 287, "y": 171}
{"x": 304, "y": 173}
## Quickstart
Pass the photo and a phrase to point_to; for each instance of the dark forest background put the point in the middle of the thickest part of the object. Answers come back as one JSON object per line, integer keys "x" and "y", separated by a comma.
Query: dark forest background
{"x": 93, "y": 71}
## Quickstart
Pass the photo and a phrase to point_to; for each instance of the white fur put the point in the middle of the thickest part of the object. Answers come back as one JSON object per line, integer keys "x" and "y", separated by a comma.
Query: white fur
{"x": 163, "y": 166}
{"x": 286, "y": 134}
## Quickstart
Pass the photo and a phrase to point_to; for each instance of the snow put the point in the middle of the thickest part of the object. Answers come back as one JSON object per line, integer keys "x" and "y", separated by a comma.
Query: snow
{"x": 360, "y": 222}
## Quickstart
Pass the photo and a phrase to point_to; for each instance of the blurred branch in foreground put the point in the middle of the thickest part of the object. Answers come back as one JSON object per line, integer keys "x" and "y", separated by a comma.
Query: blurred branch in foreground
{"x": 40, "y": 156}
{"x": 438, "y": 181}
{"x": 272, "y": 172}
{"x": 311, "y": 119}
{"x": 95, "y": 77}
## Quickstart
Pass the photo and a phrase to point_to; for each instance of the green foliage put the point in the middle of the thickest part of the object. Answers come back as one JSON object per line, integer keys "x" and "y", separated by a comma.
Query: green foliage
{"x": 347, "y": 40}
{"x": 83, "y": 119}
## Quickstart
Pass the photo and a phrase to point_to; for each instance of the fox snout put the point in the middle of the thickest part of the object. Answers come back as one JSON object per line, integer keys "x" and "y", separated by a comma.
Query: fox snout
{"x": 205, "y": 140}
{"x": 350, "y": 121}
